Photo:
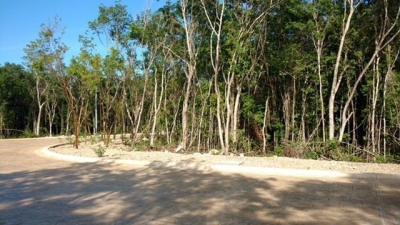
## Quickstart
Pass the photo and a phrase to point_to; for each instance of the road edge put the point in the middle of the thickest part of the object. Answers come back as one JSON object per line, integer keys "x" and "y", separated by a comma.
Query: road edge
{"x": 270, "y": 171}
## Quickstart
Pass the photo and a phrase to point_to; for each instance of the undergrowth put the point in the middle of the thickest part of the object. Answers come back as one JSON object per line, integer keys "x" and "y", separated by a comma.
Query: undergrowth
{"x": 331, "y": 150}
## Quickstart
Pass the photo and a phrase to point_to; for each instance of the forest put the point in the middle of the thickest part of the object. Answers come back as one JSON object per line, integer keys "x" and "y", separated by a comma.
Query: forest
{"x": 315, "y": 79}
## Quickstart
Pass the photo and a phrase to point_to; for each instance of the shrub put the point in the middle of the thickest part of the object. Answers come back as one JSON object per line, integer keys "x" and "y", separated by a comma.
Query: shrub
{"x": 28, "y": 134}
{"x": 99, "y": 151}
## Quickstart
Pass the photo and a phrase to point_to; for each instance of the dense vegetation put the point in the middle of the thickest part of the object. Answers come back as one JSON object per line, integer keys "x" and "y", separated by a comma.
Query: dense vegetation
{"x": 312, "y": 78}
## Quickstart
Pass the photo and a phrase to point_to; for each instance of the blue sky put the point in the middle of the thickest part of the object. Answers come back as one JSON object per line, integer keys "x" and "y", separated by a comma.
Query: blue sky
{"x": 20, "y": 21}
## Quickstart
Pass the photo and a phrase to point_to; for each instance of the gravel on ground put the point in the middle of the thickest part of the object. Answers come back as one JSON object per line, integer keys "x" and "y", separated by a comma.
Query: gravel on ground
{"x": 119, "y": 151}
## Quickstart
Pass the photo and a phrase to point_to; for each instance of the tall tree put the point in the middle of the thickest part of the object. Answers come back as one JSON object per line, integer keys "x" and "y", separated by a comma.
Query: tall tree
{"x": 44, "y": 57}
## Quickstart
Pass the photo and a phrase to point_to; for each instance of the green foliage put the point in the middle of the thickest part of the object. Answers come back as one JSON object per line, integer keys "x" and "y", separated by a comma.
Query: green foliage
{"x": 141, "y": 146}
{"x": 16, "y": 96}
{"x": 388, "y": 159}
{"x": 251, "y": 110}
{"x": 114, "y": 22}
{"x": 100, "y": 150}
{"x": 266, "y": 52}
{"x": 354, "y": 158}
{"x": 311, "y": 154}
{"x": 70, "y": 139}
{"x": 127, "y": 141}
{"x": 245, "y": 144}
{"x": 279, "y": 150}
{"x": 28, "y": 134}
{"x": 215, "y": 152}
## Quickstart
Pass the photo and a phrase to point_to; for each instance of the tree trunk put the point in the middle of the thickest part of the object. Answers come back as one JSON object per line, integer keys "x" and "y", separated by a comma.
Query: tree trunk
{"x": 40, "y": 106}
{"x": 185, "y": 112}
{"x": 219, "y": 115}
{"x": 51, "y": 113}
{"x": 264, "y": 128}
{"x": 39, "y": 93}
{"x": 157, "y": 106}
{"x": 189, "y": 27}
{"x": 318, "y": 45}
{"x": 375, "y": 93}
{"x": 336, "y": 77}
{"x": 286, "y": 115}
{"x": 202, "y": 115}
{"x": 388, "y": 77}
{"x": 236, "y": 115}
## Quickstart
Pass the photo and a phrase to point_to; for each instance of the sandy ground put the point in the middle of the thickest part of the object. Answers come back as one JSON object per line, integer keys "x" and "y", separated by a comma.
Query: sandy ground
{"x": 120, "y": 151}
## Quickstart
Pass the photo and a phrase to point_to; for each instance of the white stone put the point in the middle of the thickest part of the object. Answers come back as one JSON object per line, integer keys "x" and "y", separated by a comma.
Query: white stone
{"x": 179, "y": 148}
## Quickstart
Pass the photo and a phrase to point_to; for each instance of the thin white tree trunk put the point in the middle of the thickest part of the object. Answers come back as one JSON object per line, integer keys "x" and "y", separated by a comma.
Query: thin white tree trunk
{"x": 336, "y": 78}
{"x": 318, "y": 46}
{"x": 264, "y": 128}
{"x": 203, "y": 107}
{"x": 69, "y": 112}
{"x": 189, "y": 27}
{"x": 40, "y": 106}
{"x": 157, "y": 106}
{"x": 375, "y": 92}
{"x": 51, "y": 113}
{"x": 39, "y": 94}
{"x": 236, "y": 115}
{"x": 388, "y": 77}
{"x": 293, "y": 108}
{"x": 286, "y": 115}
{"x": 174, "y": 121}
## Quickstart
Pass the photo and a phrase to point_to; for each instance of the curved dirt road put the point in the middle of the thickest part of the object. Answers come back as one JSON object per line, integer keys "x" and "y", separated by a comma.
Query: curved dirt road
{"x": 39, "y": 190}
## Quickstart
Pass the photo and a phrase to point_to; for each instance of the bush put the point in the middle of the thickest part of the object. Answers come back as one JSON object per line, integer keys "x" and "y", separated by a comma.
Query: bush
{"x": 278, "y": 151}
{"x": 388, "y": 159}
{"x": 244, "y": 143}
{"x": 214, "y": 152}
{"x": 311, "y": 155}
{"x": 290, "y": 149}
{"x": 28, "y": 134}
{"x": 99, "y": 151}
{"x": 127, "y": 141}
{"x": 94, "y": 139}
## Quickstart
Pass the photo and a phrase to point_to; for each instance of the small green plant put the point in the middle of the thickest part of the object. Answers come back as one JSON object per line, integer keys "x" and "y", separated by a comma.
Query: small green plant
{"x": 94, "y": 139}
{"x": 127, "y": 142}
{"x": 99, "y": 151}
{"x": 28, "y": 134}
{"x": 70, "y": 139}
{"x": 214, "y": 152}
{"x": 140, "y": 147}
{"x": 311, "y": 155}
{"x": 278, "y": 151}
{"x": 354, "y": 158}
{"x": 387, "y": 159}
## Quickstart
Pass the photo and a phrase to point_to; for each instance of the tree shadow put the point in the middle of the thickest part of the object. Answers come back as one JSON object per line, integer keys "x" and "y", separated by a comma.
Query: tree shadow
{"x": 100, "y": 193}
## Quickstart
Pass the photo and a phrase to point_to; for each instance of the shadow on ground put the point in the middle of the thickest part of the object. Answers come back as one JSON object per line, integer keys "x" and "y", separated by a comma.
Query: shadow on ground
{"x": 111, "y": 194}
